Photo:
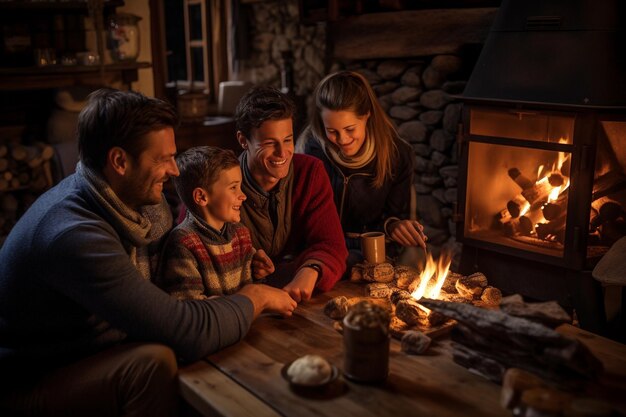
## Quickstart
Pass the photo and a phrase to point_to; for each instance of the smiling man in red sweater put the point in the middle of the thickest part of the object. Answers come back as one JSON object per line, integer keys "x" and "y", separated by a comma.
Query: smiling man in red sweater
{"x": 290, "y": 209}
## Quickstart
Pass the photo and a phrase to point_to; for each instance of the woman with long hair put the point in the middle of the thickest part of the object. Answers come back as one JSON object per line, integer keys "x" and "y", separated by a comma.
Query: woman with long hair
{"x": 369, "y": 165}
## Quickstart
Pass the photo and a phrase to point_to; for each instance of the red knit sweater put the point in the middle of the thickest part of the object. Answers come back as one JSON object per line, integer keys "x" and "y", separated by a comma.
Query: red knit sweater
{"x": 315, "y": 230}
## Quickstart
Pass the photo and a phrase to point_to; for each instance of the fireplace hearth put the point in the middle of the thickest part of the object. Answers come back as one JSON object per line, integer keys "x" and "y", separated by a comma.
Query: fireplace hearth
{"x": 542, "y": 193}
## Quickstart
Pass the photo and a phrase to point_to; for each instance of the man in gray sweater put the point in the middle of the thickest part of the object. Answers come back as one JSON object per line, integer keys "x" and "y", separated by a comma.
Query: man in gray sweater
{"x": 83, "y": 331}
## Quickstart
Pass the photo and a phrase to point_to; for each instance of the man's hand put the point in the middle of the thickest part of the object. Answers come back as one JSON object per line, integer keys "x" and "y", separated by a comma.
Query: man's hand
{"x": 301, "y": 286}
{"x": 408, "y": 233}
{"x": 262, "y": 265}
{"x": 269, "y": 300}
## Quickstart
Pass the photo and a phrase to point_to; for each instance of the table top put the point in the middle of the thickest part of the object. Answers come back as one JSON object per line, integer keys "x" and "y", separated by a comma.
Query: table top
{"x": 245, "y": 379}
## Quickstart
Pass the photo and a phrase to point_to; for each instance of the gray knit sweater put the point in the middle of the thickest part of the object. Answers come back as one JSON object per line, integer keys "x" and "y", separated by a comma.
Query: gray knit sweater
{"x": 68, "y": 289}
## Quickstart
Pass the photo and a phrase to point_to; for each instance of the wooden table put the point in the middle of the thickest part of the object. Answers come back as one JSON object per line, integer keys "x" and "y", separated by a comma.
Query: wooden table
{"x": 245, "y": 379}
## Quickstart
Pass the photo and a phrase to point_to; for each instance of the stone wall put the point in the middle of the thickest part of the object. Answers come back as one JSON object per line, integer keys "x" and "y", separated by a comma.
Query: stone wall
{"x": 274, "y": 27}
{"x": 417, "y": 93}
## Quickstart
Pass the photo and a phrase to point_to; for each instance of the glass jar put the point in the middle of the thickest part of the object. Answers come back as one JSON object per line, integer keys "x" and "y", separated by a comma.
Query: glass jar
{"x": 123, "y": 37}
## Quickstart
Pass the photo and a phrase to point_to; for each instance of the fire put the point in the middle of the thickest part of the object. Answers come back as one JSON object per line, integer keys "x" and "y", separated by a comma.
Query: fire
{"x": 432, "y": 277}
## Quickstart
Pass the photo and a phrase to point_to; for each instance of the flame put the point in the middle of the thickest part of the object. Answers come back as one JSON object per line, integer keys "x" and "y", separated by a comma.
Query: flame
{"x": 433, "y": 276}
{"x": 524, "y": 209}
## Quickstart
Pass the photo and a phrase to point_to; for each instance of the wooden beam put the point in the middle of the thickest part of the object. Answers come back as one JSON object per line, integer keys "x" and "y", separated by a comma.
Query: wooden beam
{"x": 410, "y": 33}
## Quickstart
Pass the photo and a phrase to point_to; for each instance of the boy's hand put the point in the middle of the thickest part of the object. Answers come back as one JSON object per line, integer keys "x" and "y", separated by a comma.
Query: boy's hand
{"x": 262, "y": 265}
{"x": 301, "y": 286}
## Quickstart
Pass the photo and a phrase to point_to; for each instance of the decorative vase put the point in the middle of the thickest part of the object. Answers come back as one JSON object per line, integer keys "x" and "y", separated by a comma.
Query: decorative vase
{"x": 123, "y": 37}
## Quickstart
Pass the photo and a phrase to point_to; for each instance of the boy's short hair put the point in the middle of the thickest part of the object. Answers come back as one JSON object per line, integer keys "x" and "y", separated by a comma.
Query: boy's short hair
{"x": 260, "y": 104}
{"x": 200, "y": 167}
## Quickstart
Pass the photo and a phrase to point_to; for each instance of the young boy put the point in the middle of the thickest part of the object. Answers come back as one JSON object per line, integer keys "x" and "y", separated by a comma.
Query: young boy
{"x": 210, "y": 253}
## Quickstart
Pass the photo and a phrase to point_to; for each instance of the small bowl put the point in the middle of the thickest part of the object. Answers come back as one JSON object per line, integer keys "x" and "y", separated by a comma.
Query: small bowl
{"x": 334, "y": 374}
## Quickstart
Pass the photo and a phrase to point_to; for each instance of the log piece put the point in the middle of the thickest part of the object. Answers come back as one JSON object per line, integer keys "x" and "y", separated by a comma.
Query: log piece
{"x": 356, "y": 273}
{"x": 378, "y": 290}
{"x": 548, "y": 313}
{"x": 382, "y": 272}
{"x": 336, "y": 308}
{"x": 520, "y": 179}
{"x": 491, "y": 296}
{"x": 449, "y": 285}
{"x": 405, "y": 276}
{"x": 398, "y": 295}
{"x": 471, "y": 286}
{"x": 518, "y": 342}
{"x": 397, "y": 327}
{"x": 414, "y": 342}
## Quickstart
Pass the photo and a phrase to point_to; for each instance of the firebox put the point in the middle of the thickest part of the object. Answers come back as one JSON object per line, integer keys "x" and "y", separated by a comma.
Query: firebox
{"x": 542, "y": 193}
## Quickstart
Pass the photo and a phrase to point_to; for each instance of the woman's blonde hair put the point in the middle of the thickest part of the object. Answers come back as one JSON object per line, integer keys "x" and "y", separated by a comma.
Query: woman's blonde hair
{"x": 350, "y": 91}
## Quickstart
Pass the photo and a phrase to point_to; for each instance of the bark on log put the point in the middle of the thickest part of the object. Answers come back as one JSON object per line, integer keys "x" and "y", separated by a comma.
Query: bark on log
{"x": 537, "y": 344}
{"x": 548, "y": 313}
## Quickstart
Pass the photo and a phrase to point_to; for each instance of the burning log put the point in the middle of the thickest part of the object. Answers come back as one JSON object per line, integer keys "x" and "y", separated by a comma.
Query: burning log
{"x": 608, "y": 211}
{"x": 520, "y": 179}
{"x": 554, "y": 228}
{"x": 528, "y": 221}
{"x": 515, "y": 206}
{"x": 410, "y": 312}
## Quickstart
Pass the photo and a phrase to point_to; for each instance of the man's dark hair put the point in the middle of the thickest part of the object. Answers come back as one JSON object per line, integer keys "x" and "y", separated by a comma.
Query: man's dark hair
{"x": 201, "y": 167}
{"x": 260, "y": 104}
{"x": 119, "y": 118}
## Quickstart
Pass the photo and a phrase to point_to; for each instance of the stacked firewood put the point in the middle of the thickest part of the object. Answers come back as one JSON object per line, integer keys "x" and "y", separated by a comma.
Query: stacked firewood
{"x": 26, "y": 169}
{"x": 530, "y": 213}
{"x": 492, "y": 341}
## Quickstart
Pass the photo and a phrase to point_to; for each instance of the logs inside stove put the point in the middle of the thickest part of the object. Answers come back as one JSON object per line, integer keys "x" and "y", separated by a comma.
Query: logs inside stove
{"x": 542, "y": 194}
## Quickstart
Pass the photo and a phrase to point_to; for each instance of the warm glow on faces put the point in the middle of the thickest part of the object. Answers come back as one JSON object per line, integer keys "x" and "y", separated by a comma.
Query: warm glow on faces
{"x": 224, "y": 199}
{"x": 345, "y": 129}
{"x": 270, "y": 149}
{"x": 145, "y": 175}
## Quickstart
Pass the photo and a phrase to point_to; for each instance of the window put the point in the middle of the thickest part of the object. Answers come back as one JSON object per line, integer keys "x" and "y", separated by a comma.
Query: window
{"x": 192, "y": 45}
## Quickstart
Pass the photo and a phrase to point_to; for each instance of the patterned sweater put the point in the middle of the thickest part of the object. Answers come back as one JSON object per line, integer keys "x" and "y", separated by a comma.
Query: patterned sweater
{"x": 199, "y": 262}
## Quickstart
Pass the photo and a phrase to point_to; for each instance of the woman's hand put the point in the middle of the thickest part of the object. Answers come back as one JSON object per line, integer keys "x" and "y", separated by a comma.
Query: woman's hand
{"x": 262, "y": 265}
{"x": 408, "y": 233}
{"x": 301, "y": 286}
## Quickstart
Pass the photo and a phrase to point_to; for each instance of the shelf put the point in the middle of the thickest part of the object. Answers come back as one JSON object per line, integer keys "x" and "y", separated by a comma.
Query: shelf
{"x": 46, "y": 6}
{"x": 54, "y": 76}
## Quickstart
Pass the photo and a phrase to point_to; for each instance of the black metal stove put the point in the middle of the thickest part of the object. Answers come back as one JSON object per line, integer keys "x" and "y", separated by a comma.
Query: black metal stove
{"x": 542, "y": 194}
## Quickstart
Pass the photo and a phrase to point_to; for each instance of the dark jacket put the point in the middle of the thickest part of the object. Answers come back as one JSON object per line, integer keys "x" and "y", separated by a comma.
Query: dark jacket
{"x": 362, "y": 207}
{"x": 68, "y": 288}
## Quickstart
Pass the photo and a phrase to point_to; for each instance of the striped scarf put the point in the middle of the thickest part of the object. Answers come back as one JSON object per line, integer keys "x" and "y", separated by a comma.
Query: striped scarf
{"x": 140, "y": 232}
